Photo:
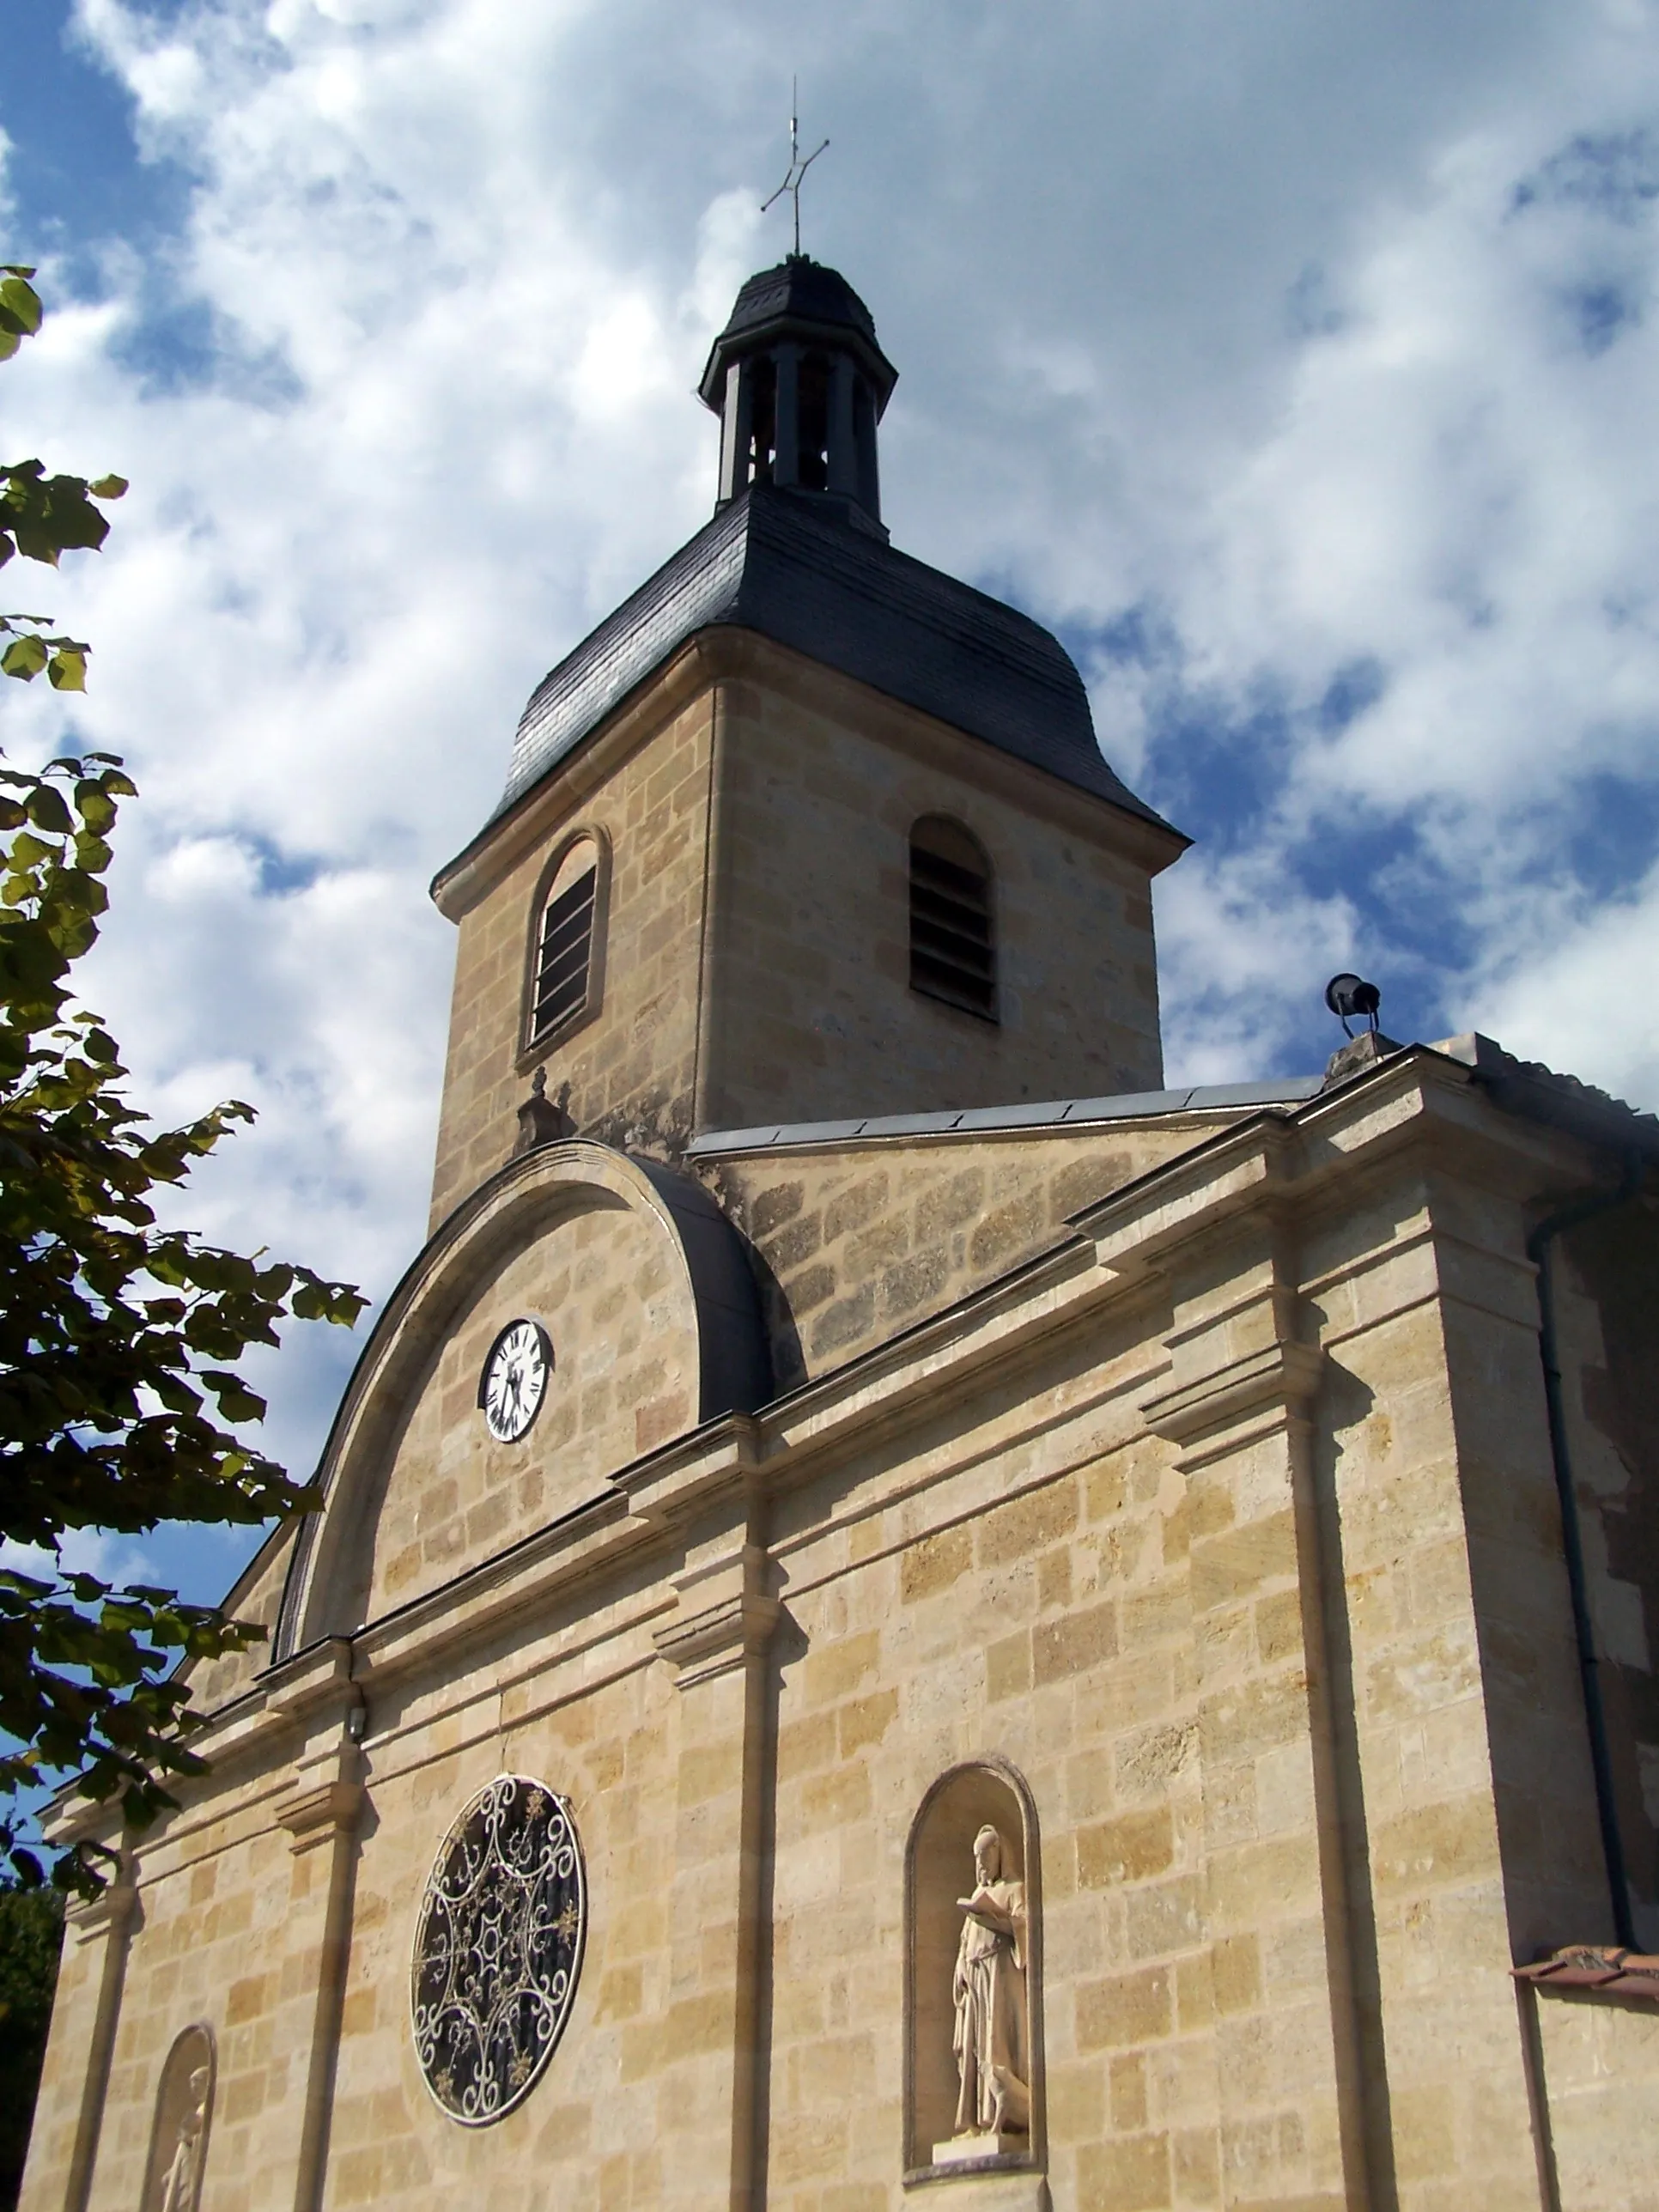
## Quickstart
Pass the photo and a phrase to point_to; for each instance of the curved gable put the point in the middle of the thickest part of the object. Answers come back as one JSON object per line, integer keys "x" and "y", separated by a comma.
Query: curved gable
{"x": 643, "y": 1289}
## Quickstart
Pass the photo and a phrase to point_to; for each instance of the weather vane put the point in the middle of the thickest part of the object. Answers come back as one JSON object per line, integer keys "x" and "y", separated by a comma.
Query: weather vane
{"x": 797, "y": 169}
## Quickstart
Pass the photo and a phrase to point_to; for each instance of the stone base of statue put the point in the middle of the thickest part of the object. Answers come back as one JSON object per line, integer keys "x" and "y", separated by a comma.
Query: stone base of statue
{"x": 961, "y": 2149}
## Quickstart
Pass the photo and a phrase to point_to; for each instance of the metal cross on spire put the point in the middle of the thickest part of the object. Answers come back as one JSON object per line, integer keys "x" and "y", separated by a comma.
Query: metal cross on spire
{"x": 797, "y": 169}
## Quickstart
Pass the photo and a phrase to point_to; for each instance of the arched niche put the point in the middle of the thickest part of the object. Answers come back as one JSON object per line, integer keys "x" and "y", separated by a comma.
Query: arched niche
{"x": 178, "y": 2133}
{"x": 938, "y": 1871}
{"x": 643, "y": 1243}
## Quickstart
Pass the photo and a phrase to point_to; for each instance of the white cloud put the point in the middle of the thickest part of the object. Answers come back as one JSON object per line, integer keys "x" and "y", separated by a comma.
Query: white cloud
{"x": 114, "y": 1559}
{"x": 1221, "y": 330}
{"x": 1580, "y": 996}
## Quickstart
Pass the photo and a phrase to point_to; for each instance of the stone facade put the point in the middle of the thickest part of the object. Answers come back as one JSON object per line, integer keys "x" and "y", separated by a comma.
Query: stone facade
{"x": 1225, "y": 1523}
{"x": 1165, "y": 1480}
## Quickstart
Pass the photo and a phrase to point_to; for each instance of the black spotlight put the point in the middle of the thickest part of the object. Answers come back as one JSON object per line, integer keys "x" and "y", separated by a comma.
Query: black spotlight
{"x": 1351, "y": 998}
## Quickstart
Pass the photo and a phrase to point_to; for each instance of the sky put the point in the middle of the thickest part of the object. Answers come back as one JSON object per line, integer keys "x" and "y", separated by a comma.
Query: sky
{"x": 1299, "y": 364}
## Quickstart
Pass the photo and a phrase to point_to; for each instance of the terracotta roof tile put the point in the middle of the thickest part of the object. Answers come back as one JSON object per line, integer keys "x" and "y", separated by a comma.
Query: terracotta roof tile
{"x": 1604, "y": 1968}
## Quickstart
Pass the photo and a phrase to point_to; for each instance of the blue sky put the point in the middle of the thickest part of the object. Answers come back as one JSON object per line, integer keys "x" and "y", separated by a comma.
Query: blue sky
{"x": 1298, "y": 364}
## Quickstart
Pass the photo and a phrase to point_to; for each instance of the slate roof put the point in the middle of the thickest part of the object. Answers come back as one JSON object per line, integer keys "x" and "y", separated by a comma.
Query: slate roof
{"x": 798, "y": 286}
{"x": 800, "y": 297}
{"x": 777, "y": 562}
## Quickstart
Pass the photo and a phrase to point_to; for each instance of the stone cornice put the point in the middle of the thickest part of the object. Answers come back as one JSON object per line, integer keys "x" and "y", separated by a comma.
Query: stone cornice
{"x": 1416, "y": 1098}
{"x": 726, "y": 650}
{"x": 315, "y": 1815}
{"x": 313, "y": 1682}
{"x": 1277, "y": 1376}
{"x": 726, "y": 1617}
{"x": 110, "y": 1912}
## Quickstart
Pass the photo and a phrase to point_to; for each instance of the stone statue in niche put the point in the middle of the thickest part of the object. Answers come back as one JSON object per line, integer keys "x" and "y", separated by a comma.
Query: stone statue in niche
{"x": 993, "y": 2038}
{"x": 178, "y": 2138}
{"x": 184, "y": 2172}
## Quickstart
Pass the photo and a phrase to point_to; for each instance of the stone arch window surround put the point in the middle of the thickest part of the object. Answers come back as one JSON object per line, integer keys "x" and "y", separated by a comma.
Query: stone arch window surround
{"x": 938, "y": 1868}
{"x": 184, "y": 2115}
{"x": 584, "y": 852}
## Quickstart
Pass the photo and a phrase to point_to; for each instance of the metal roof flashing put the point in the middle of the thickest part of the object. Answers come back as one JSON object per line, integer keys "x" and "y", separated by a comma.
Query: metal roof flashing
{"x": 1051, "y": 1117}
{"x": 1525, "y": 1088}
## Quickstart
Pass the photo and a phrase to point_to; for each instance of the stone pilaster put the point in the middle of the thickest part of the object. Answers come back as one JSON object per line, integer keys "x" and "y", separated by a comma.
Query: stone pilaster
{"x": 107, "y": 1922}
{"x": 709, "y": 2050}
{"x": 1290, "y": 2087}
{"x": 321, "y": 1809}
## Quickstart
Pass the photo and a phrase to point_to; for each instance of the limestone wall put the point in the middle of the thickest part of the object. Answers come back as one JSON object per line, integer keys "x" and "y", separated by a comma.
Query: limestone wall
{"x": 630, "y": 1065}
{"x": 810, "y": 1013}
{"x": 1607, "y": 1296}
{"x": 1018, "y": 1590}
{"x": 256, "y": 1598}
{"x": 589, "y": 2134}
{"x": 610, "y": 1288}
{"x": 756, "y": 811}
{"x": 854, "y": 1242}
{"x": 1599, "y": 2064}
{"x": 1227, "y": 1531}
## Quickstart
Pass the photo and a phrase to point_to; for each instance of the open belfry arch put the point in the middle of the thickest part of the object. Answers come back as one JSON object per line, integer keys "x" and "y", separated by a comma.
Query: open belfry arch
{"x": 901, "y": 1613}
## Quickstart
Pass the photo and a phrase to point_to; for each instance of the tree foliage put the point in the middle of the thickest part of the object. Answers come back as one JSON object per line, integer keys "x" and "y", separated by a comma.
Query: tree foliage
{"x": 42, "y": 517}
{"x": 120, "y": 1398}
{"x": 31, "y": 1935}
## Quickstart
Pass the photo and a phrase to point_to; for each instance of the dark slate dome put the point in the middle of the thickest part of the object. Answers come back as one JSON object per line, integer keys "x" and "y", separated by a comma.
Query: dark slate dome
{"x": 776, "y": 562}
{"x": 802, "y": 299}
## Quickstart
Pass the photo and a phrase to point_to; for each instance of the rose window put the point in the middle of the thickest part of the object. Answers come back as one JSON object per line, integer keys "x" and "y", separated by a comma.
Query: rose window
{"x": 498, "y": 1949}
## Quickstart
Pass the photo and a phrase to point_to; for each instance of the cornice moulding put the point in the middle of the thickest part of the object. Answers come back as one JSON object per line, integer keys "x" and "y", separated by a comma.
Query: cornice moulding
{"x": 316, "y": 1815}
{"x": 1279, "y": 1375}
{"x": 112, "y": 1912}
{"x": 726, "y": 651}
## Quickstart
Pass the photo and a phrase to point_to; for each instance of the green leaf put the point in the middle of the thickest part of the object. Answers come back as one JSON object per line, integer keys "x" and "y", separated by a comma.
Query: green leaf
{"x": 46, "y": 810}
{"x": 25, "y": 657}
{"x": 107, "y": 487}
{"x": 20, "y": 303}
{"x": 236, "y": 1402}
{"x": 67, "y": 670}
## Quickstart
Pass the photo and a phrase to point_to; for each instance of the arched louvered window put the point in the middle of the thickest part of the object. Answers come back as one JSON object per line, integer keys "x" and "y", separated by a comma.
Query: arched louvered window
{"x": 952, "y": 930}
{"x": 561, "y": 981}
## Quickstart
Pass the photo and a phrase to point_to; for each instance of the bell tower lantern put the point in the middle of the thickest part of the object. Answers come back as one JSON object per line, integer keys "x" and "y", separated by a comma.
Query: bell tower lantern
{"x": 799, "y": 384}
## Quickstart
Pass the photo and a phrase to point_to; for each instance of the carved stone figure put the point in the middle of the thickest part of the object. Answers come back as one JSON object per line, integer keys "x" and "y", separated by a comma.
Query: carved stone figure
{"x": 178, "y": 2183}
{"x": 993, "y": 2039}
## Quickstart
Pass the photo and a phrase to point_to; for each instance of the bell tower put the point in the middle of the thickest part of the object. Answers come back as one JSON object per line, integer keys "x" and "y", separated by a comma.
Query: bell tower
{"x": 806, "y": 829}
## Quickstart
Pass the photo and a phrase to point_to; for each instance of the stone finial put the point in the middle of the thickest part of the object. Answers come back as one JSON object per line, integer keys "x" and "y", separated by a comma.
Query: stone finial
{"x": 541, "y": 1120}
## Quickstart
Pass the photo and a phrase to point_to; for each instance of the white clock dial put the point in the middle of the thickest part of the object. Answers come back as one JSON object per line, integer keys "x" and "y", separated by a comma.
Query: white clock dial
{"x": 515, "y": 1380}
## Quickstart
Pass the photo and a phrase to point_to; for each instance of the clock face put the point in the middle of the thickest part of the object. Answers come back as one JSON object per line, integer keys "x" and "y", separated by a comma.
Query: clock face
{"x": 515, "y": 1380}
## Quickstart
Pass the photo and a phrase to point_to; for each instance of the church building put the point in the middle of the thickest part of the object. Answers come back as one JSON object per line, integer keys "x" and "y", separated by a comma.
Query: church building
{"x": 905, "y": 1619}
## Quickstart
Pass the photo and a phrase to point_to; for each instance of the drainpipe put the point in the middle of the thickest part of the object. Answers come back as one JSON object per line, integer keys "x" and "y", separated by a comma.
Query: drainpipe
{"x": 1540, "y": 1247}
